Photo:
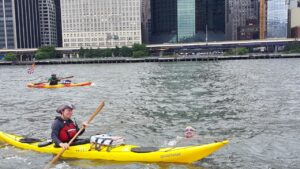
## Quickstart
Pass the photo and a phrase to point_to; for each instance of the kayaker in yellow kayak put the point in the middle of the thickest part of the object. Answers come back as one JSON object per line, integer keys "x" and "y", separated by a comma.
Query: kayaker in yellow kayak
{"x": 63, "y": 128}
{"x": 53, "y": 80}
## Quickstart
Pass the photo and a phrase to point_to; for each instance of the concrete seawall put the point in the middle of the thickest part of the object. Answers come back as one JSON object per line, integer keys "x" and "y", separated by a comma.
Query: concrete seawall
{"x": 153, "y": 59}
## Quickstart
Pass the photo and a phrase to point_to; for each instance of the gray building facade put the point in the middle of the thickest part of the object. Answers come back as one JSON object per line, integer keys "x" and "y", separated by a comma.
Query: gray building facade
{"x": 19, "y": 26}
{"x": 58, "y": 23}
{"x": 7, "y": 25}
{"x": 146, "y": 20}
{"x": 237, "y": 13}
{"x": 48, "y": 22}
{"x": 27, "y": 23}
{"x": 101, "y": 23}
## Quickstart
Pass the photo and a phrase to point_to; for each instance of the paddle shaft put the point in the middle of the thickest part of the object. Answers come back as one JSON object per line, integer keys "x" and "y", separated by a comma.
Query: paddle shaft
{"x": 58, "y": 79}
{"x": 53, "y": 161}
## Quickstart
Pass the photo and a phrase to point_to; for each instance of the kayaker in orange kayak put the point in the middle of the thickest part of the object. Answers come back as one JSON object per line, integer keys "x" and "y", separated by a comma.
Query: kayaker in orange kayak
{"x": 53, "y": 80}
{"x": 63, "y": 128}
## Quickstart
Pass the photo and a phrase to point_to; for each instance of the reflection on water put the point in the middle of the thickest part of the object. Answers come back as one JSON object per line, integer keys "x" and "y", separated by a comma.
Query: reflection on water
{"x": 253, "y": 103}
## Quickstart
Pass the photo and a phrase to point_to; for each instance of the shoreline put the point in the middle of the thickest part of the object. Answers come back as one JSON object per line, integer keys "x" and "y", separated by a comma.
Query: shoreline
{"x": 110, "y": 60}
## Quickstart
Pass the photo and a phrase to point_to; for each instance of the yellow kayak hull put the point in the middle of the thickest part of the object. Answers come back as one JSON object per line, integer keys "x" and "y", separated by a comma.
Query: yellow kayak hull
{"x": 46, "y": 85}
{"x": 188, "y": 154}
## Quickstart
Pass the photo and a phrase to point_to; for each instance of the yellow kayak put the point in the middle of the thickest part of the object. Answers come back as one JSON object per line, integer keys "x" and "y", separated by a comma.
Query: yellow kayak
{"x": 60, "y": 85}
{"x": 188, "y": 154}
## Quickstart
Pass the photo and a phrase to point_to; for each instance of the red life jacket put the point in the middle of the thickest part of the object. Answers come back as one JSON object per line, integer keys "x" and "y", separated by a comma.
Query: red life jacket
{"x": 67, "y": 132}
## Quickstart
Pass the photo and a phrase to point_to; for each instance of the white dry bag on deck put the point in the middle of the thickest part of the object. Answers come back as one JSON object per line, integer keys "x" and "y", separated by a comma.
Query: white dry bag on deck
{"x": 106, "y": 140}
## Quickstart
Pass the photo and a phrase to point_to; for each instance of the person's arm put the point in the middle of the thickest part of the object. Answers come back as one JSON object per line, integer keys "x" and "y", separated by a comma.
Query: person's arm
{"x": 56, "y": 127}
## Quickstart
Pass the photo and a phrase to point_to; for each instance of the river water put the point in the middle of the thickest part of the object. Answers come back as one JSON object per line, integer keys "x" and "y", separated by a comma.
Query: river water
{"x": 253, "y": 103}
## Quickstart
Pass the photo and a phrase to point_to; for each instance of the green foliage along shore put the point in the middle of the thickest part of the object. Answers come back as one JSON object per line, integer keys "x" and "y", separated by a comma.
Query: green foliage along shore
{"x": 45, "y": 52}
{"x": 10, "y": 57}
{"x": 293, "y": 48}
{"x": 137, "y": 50}
{"x": 237, "y": 51}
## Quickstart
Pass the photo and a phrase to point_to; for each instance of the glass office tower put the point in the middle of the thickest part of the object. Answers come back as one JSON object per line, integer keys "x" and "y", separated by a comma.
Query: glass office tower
{"x": 19, "y": 24}
{"x": 163, "y": 21}
{"x": 277, "y": 19}
{"x": 186, "y": 20}
{"x": 210, "y": 15}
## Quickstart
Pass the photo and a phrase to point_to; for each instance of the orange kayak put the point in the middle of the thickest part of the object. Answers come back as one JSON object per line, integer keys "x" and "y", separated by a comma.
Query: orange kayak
{"x": 60, "y": 85}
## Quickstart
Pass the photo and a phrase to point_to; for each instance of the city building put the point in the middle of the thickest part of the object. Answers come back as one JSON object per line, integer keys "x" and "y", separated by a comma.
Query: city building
{"x": 293, "y": 3}
{"x": 210, "y": 20}
{"x": 294, "y": 21}
{"x": 100, "y": 23}
{"x": 19, "y": 26}
{"x": 146, "y": 21}
{"x": 237, "y": 12}
{"x": 48, "y": 22}
{"x": 58, "y": 23}
{"x": 249, "y": 31}
{"x": 277, "y": 19}
{"x": 27, "y": 23}
{"x": 8, "y": 38}
{"x": 295, "y": 32}
{"x": 186, "y": 20}
{"x": 175, "y": 21}
{"x": 163, "y": 21}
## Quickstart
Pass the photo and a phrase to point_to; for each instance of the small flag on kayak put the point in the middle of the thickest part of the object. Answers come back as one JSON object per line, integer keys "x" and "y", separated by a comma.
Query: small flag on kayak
{"x": 31, "y": 69}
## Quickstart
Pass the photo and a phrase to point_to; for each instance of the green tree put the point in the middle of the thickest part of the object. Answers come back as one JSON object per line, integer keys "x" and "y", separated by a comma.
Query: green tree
{"x": 139, "y": 47}
{"x": 237, "y": 51}
{"x": 140, "y": 50}
{"x": 10, "y": 57}
{"x": 107, "y": 52}
{"x": 46, "y": 52}
{"x": 126, "y": 51}
{"x": 81, "y": 52}
{"x": 293, "y": 48}
{"x": 116, "y": 51}
{"x": 139, "y": 53}
{"x": 89, "y": 53}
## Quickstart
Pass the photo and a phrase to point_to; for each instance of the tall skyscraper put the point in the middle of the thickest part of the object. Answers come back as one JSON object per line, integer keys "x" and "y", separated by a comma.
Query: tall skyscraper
{"x": 293, "y": 19}
{"x": 19, "y": 26}
{"x": 164, "y": 21}
{"x": 48, "y": 22}
{"x": 27, "y": 23}
{"x": 58, "y": 23}
{"x": 277, "y": 19}
{"x": 210, "y": 20}
{"x": 146, "y": 20}
{"x": 7, "y": 25}
{"x": 187, "y": 20}
{"x": 237, "y": 13}
{"x": 100, "y": 23}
